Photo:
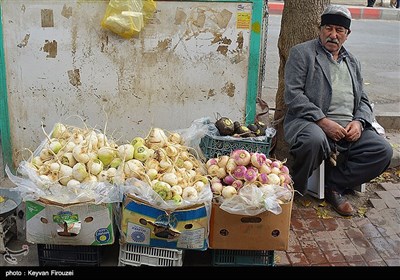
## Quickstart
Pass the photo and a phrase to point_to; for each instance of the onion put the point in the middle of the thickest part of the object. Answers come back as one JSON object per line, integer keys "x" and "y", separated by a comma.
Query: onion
{"x": 65, "y": 174}
{"x": 216, "y": 188}
{"x": 228, "y": 192}
{"x": 55, "y": 146}
{"x": 95, "y": 166}
{"x": 230, "y": 165}
{"x": 141, "y": 153}
{"x": 258, "y": 159}
{"x": 137, "y": 141}
{"x": 116, "y": 162}
{"x": 68, "y": 159}
{"x": 264, "y": 169}
{"x": 152, "y": 173}
{"x": 169, "y": 178}
{"x": 59, "y": 130}
{"x": 199, "y": 186}
{"x": 241, "y": 157}
{"x": 73, "y": 183}
{"x": 239, "y": 172}
{"x": 211, "y": 161}
{"x": 251, "y": 174}
{"x": 156, "y": 139}
{"x": 125, "y": 152}
{"x": 80, "y": 155}
{"x": 189, "y": 193}
{"x": 274, "y": 179}
{"x": 37, "y": 161}
{"x": 237, "y": 184}
{"x": 176, "y": 190}
{"x": 175, "y": 138}
{"x": 222, "y": 161}
{"x": 106, "y": 155}
{"x": 79, "y": 172}
{"x": 228, "y": 180}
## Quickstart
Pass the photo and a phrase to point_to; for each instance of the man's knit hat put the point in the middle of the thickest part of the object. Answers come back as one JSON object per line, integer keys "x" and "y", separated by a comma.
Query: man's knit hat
{"x": 336, "y": 15}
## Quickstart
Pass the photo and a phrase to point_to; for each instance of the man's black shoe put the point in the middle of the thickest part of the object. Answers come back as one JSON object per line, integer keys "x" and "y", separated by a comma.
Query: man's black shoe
{"x": 338, "y": 202}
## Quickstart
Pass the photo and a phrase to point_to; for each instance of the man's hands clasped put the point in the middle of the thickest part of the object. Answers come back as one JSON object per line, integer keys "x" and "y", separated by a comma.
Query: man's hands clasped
{"x": 352, "y": 132}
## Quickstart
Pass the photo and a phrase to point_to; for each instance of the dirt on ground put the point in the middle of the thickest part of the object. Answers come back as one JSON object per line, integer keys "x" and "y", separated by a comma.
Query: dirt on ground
{"x": 359, "y": 200}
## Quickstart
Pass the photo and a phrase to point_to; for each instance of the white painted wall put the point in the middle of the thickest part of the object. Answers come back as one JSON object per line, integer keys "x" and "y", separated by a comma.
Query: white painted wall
{"x": 168, "y": 76}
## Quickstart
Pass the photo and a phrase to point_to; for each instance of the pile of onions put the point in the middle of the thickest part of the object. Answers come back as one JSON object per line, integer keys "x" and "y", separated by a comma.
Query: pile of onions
{"x": 231, "y": 173}
{"x": 71, "y": 156}
{"x": 169, "y": 168}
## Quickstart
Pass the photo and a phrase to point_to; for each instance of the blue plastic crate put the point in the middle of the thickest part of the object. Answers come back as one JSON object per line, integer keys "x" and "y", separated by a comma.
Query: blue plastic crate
{"x": 68, "y": 255}
{"x": 242, "y": 258}
{"x": 214, "y": 146}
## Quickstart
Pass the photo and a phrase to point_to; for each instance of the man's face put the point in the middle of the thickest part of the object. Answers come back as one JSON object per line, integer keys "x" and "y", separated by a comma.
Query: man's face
{"x": 333, "y": 37}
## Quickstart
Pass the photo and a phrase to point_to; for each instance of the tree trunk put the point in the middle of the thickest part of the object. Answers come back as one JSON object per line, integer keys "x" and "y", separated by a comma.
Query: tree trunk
{"x": 300, "y": 22}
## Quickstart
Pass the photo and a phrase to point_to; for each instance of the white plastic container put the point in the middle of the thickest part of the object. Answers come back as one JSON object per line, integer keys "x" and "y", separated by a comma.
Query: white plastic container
{"x": 137, "y": 255}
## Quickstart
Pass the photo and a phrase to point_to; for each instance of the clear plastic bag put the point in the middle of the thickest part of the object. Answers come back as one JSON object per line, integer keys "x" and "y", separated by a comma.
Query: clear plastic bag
{"x": 127, "y": 17}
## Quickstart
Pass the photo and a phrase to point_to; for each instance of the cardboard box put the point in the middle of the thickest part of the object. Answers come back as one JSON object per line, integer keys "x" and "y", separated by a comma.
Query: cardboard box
{"x": 143, "y": 224}
{"x": 73, "y": 224}
{"x": 265, "y": 231}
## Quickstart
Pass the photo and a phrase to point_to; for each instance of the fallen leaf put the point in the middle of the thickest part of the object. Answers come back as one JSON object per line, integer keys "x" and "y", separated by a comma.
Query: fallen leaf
{"x": 322, "y": 204}
{"x": 306, "y": 203}
{"x": 322, "y": 213}
{"x": 361, "y": 211}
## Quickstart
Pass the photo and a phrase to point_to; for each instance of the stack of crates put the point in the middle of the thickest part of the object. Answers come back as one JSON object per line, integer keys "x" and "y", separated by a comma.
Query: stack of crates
{"x": 213, "y": 147}
{"x": 67, "y": 255}
{"x": 222, "y": 257}
{"x": 137, "y": 255}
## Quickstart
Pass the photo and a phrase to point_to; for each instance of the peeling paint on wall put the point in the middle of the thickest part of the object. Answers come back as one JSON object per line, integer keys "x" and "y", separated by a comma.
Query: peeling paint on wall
{"x": 229, "y": 89}
{"x": 180, "y": 16}
{"x": 24, "y": 42}
{"x": 66, "y": 11}
{"x": 223, "y": 18}
{"x": 47, "y": 18}
{"x": 211, "y": 93}
{"x": 74, "y": 77}
{"x": 164, "y": 44}
{"x": 239, "y": 41}
{"x": 50, "y": 48}
{"x": 201, "y": 18}
{"x": 104, "y": 42}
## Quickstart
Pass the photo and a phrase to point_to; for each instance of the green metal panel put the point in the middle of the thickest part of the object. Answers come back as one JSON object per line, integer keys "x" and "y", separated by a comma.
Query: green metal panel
{"x": 4, "y": 120}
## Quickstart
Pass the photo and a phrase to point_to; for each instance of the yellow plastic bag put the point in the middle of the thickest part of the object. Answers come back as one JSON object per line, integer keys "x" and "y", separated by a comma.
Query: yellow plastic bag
{"x": 127, "y": 17}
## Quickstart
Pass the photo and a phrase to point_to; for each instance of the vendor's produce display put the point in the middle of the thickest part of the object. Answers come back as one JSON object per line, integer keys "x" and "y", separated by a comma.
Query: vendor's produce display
{"x": 68, "y": 200}
{"x": 225, "y": 136}
{"x": 167, "y": 200}
{"x": 252, "y": 198}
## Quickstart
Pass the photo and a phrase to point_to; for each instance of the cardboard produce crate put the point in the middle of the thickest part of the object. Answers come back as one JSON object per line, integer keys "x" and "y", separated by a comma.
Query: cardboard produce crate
{"x": 265, "y": 231}
{"x": 70, "y": 224}
{"x": 143, "y": 224}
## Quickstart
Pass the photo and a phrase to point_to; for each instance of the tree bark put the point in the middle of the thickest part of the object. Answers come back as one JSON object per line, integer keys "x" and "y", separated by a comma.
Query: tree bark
{"x": 300, "y": 22}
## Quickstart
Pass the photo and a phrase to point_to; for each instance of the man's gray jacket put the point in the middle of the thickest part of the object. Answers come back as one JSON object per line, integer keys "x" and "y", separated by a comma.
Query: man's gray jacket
{"x": 308, "y": 88}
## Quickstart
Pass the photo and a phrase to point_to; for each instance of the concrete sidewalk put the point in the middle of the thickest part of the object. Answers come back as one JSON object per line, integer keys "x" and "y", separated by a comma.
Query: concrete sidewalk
{"x": 357, "y": 8}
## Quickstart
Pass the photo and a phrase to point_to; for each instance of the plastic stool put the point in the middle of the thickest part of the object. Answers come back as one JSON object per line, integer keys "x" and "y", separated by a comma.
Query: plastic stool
{"x": 316, "y": 183}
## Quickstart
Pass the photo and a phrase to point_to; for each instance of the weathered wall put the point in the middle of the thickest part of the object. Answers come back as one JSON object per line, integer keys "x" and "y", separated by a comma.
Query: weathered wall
{"x": 190, "y": 61}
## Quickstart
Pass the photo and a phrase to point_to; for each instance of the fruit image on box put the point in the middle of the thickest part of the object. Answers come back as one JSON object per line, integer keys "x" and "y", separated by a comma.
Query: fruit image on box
{"x": 77, "y": 224}
{"x": 144, "y": 224}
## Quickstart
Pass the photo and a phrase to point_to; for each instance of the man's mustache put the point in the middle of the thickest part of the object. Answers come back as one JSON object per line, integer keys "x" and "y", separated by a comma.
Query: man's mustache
{"x": 330, "y": 40}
